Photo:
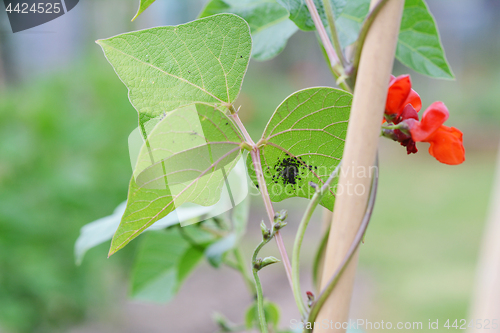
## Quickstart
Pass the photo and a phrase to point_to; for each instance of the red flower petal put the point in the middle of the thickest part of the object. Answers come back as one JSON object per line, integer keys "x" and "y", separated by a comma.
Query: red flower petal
{"x": 447, "y": 145}
{"x": 409, "y": 112}
{"x": 399, "y": 90}
{"x": 432, "y": 119}
{"x": 414, "y": 99}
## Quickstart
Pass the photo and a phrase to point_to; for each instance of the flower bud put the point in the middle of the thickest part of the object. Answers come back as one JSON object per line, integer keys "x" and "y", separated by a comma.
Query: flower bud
{"x": 280, "y": 225}
{"x": 266, "y": 233}
{"x": 268, "y": 261}
{"x": 310, "y": 298}
{"x": 281, "y": 215}
{"x": 257, "y": 264}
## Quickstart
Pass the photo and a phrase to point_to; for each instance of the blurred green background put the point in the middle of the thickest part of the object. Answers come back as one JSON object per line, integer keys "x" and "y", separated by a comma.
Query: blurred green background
{"x": 64, "y": 123}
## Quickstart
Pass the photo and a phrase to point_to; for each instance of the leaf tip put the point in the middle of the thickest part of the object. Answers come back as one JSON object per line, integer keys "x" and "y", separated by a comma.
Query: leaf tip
{"x": 111, "y": 252}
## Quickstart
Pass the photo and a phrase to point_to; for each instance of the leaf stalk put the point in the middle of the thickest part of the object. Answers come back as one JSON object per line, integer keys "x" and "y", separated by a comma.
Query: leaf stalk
{"x": 333, "y": 32}
{"x": 333, "y": 60}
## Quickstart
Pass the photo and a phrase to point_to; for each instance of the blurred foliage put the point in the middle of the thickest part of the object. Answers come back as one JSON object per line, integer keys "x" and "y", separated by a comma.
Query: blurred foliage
{"x": 64, "y": 162}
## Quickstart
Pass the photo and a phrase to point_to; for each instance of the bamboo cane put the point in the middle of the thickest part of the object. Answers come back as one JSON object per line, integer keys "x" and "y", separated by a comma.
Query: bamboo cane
{"x": 485, "y": 309}
{"x": 359, "y": 155}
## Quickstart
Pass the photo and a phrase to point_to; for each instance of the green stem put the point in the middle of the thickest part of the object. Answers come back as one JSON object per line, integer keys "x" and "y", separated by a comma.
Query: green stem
{"x": 361, "y": 40}
{"x": 394, "y": 127}
{"x": 258, "y": 285}
{"x": 242, "y": 267}
{"x": 333, "y": 59}
{"x": 313, "y": 203}
{"x": 260, "y": 303}
{"x": 319, "y": 254}
{"x": 325, "y": 294}
{"x": 341, "y": 84}
{"x": 297, "y": 293}
{"x": 333, "y": 31}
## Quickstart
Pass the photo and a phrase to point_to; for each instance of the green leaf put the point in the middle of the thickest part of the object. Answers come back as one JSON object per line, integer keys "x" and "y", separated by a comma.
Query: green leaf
{"x": 234, "y": 193}
{"x": 168, "y": 67}
{"x": 163, "y": 262}
{"x": 299, "y": 13}
{"x": 350, "y": 21}
{"x": 268, "y": 22}
{"x": 103, "y": 229}
{"x": 271, "y": 312}
{"x": 269, "y": 261}
{"x": 304, "y": 143}
{"x": 185, "y": 159}
{"x": 240, "y": 217}
{"x": 419, "y": 46}
{"x": 143, "y": 5}
{"x": 215, "y": 253}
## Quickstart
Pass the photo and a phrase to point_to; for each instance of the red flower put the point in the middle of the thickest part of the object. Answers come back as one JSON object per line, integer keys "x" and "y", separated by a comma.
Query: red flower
{"x": 405, "y": 139}
{"x": 446, "y": 142}
{"x": 399, "y": 95}
{"x": 403, "y": 126}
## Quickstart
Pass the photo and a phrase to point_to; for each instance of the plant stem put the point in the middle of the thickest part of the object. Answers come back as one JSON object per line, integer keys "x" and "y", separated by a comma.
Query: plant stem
{"x": 319, "y": 254}
{"x": 333, "y": 59}
{"x": 333, "y": 31}
{"x": 255, "y": 154}
{"x": 394, "y": 127}
{"x": 313, "y": 203}
{"x": 342, "y": 84}
{"x": 260, "y": 294}
{"x": 361, "y": 39}
{"x": 320, "y": 301}
{"x": 237, "y": 120}
{"x": 260, "y": 303}
{"x": 243, "y": 268}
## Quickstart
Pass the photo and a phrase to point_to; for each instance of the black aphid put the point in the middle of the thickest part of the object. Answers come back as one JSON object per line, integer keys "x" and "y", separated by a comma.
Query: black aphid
{"x": 288, "y": 169}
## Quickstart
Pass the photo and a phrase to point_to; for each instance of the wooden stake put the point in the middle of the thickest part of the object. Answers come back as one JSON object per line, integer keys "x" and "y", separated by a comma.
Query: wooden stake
{"x": 359, "y": 156}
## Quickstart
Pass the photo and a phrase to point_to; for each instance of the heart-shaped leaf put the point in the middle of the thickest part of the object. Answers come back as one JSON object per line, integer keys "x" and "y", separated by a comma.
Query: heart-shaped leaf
{"x": 168, "y": 67}
{"x": 304, "y": 142}
{"x": 268, "y": 22}
{"x": 419, "y": 46}
{"x": 185, "y": 158}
